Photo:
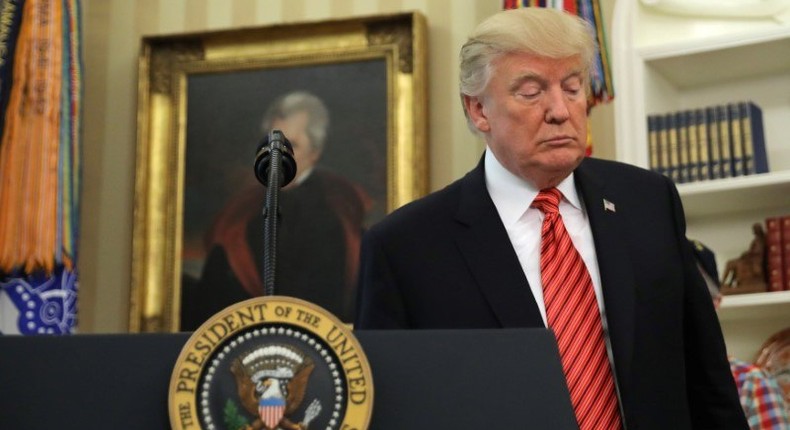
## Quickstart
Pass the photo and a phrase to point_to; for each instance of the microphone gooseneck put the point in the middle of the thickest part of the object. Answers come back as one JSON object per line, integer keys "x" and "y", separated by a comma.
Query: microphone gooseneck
{"x": 275, "y": 167}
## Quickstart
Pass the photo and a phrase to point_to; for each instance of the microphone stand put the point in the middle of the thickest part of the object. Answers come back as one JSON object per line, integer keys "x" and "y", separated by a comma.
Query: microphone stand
{"x": 271, "y": 211}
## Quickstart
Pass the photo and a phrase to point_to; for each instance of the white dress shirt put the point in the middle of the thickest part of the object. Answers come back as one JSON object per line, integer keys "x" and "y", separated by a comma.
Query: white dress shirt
{"x": 512, "y": 197}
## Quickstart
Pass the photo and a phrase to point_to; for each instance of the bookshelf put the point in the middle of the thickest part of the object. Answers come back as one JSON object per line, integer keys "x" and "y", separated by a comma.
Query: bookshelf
{"x": 663, "y": 63}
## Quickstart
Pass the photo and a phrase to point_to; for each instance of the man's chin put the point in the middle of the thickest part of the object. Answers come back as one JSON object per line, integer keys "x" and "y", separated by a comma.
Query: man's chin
{"x": 564, "y": 160}
{"x": 550, "y": 172}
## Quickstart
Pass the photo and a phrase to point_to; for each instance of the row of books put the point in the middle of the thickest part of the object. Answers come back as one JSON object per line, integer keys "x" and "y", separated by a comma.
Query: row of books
{"x": 708, "y": 143}
{"x": 777, "y": 252}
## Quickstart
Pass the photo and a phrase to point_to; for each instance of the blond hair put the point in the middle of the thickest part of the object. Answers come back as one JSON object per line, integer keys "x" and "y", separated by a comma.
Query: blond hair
{"x": 545, "y": 32}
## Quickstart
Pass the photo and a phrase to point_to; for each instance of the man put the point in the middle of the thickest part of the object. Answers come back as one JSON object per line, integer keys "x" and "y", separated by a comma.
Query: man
{"x": 318, "y": 235}
{"x": 760, "y": 394}
{"x": 479, "y": 253}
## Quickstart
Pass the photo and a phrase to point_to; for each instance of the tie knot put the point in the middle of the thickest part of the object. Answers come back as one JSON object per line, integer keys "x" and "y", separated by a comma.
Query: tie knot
{"x": 548, "y": 201}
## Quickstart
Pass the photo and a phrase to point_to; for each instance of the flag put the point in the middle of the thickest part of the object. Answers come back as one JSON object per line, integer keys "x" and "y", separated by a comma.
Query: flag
{"x": 41, "y": 92}
{"x": 601, "y": 88}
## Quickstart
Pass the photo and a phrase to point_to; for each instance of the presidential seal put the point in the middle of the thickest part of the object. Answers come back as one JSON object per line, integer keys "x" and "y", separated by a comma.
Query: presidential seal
{"x": 271, "y": 363}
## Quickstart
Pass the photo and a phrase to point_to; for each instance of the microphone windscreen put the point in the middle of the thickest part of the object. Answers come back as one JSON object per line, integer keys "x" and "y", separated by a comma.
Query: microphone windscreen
{"x": 263, "y": 159}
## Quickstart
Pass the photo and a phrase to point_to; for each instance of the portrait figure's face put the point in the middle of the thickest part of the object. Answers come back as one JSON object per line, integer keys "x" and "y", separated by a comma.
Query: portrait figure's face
{"x": 294, "y": 127}
{"x": 533, "y": 114}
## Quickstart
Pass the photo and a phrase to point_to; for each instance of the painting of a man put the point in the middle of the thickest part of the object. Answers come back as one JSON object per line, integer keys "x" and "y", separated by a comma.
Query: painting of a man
{"x": 322, "y": 216}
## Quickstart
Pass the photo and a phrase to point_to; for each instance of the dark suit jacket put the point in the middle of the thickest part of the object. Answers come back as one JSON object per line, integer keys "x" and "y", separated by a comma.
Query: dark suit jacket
{"x": 445, "y": 261}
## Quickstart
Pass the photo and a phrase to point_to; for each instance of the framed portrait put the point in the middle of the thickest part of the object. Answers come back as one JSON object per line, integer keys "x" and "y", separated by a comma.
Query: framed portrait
{"x": 349, "y": 95}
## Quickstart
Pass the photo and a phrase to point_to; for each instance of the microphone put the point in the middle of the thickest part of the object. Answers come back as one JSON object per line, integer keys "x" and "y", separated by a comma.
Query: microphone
{"x": 271, "y": 146}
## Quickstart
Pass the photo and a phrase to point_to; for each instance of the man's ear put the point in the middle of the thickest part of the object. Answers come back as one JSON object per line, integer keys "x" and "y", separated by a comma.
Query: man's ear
{"x": 474, "y": 108}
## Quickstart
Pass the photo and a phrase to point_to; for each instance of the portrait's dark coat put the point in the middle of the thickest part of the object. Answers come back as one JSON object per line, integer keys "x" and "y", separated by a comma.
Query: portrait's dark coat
{"x": 318, "y": 240}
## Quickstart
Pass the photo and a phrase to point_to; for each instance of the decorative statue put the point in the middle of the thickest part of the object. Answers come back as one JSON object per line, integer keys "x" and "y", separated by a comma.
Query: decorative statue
{"x": 746, "y": 274}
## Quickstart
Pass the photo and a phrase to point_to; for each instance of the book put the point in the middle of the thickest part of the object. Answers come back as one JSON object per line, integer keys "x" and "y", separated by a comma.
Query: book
{"x": 653, "y": 142}
{"x": 724, "y": 143}
{"x": 755, "y": 158}
{"x": 673, "y": 169}
{"x": 701, "y": 120}
{"x": 663, "y": 145}
{"x": 736, "y": 139}
{"x": 684, "y": 170}
{"x": 774, "y": 260}
{"x": 694, "y": 149}
{"x": 713, "y": 143}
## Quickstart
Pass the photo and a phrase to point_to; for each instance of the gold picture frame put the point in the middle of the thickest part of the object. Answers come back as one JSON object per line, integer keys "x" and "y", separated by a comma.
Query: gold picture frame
{"x": 183, "y": 81}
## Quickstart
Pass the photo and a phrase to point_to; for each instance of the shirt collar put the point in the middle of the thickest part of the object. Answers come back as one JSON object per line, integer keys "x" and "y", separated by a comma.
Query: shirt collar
{"x": 512, "y": 195}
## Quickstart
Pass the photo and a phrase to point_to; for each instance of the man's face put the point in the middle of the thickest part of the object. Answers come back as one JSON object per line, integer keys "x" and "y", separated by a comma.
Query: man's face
{"x": 294, "y": 127}
{"x": 533, "y": 114}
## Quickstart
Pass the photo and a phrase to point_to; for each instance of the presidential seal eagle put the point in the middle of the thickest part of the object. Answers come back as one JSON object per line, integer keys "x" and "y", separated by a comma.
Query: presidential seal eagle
{"x": 271, "y": 383}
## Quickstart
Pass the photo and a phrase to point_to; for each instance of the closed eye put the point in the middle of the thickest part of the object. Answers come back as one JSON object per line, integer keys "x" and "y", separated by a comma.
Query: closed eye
{"x": 529, "y": 95}
{"x": 573, "y": 85}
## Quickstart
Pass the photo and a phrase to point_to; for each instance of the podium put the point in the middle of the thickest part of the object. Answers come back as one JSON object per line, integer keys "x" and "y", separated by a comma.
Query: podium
{"x": 439, "y": 379}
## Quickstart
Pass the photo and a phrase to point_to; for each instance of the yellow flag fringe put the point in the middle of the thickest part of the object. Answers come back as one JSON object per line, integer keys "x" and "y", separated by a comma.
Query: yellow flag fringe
{"x": 30, "y": 144}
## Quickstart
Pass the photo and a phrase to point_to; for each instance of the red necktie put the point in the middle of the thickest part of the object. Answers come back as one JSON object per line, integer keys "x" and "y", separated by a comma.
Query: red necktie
{"x": 572, "y": 312}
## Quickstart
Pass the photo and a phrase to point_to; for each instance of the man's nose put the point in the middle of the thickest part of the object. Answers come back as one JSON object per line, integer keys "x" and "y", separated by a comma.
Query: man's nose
{"x": 556, "y": 107}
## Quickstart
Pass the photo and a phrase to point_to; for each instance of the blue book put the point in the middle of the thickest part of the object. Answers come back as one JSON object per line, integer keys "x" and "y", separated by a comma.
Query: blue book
{"x": 654, "y": 160}
{"x": 725, "y": 144}
{"x": 693, "y": 143}
{"x": 713, "y": 143}
{"x": 703, "y": 145}
{"x": 736, "y": 139}
{"x": 673, "y": 169}
{"x": 683, "y": 147}
{"x": 663, "y": 145}
{"x": 754, "y": 155}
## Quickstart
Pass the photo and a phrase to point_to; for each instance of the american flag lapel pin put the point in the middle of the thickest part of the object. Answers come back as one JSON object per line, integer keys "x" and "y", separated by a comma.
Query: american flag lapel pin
{"x": 608, "y": 206}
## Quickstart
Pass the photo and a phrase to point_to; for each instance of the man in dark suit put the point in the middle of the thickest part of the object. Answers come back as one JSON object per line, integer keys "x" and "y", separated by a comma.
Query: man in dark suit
{"x": 470, "y": 256}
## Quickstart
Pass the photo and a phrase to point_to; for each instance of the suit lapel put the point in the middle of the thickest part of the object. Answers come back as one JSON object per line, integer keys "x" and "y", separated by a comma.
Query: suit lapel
{"x": 486, "y": 247}
{"x": 617, "y": 278}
